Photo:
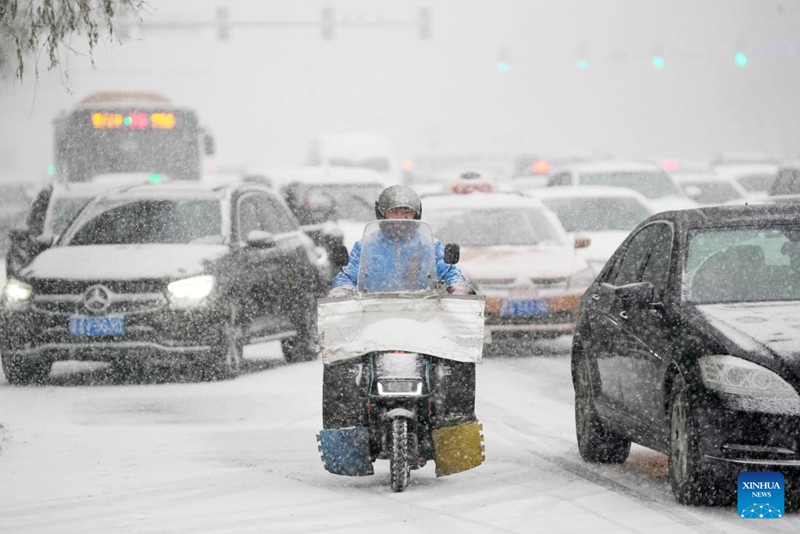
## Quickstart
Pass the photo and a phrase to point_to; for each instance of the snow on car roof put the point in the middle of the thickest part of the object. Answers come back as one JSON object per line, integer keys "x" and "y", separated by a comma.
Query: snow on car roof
{"x": 325, "y": 175}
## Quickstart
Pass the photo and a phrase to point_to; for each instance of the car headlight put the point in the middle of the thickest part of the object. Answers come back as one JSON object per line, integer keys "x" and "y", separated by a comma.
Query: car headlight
{"x": 753, "y": 388}
{"x": 583, "y": 278}
{"x": 191, "y": 291}
{"x": 17, "y": 293}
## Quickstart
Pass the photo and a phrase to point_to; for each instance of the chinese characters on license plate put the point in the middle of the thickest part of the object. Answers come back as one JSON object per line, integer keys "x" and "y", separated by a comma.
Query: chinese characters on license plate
{"x": 83, "y": 326}
{"x": 523, "y": 307}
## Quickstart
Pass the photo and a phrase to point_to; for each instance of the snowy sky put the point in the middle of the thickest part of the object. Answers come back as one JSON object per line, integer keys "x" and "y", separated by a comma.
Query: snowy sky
{"x": 266, "y": 92}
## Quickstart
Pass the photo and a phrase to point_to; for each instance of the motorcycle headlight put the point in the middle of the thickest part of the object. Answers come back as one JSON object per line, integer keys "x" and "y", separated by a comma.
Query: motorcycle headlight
{"x": 17, "y": 293}
{"x": 190, "y": 291}
{"x": 753, "y": 388}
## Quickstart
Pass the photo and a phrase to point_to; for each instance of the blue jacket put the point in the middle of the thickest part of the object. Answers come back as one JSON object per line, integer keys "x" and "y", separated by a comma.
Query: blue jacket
{"x": 390, "y": 262}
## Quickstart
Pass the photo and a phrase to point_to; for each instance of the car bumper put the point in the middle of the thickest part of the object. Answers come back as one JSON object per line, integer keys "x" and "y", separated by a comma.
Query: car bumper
{"x": 560, "y": 316}
{"x": 737, "y": 440}
{"x": 164, "y": 334}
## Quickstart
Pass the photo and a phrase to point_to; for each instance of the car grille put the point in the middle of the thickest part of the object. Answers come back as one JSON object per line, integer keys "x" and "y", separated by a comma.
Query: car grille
{"x": 66, "y": 297}
{"x": 78, "y": 287}
{"x": 120, "y": 304}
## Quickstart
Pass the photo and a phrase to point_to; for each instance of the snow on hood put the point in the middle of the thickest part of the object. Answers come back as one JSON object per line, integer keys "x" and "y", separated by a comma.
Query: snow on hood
{"x": 122, "y": 262}
{"x": 758, "y": 327}
{"x": 514, "y": 262}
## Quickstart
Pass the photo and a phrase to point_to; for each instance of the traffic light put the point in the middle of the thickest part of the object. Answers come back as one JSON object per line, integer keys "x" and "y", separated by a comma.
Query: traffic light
{"x": 327, "y": 23}
{"x": 582, "y": 64}
{"x": 503, "y": 62}
{"x": 424, "y": 23}
{"x": 223, "y": 23}
{"x": 658, "y": 62}
{"x": 741, "y": 59}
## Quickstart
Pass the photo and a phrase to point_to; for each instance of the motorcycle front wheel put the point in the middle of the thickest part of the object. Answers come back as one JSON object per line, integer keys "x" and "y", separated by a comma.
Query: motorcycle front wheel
{"x": 400, "y": 467}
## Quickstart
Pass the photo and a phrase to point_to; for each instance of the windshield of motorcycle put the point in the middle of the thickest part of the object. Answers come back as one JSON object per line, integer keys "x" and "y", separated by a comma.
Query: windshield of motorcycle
{"x": 397, "y": 255}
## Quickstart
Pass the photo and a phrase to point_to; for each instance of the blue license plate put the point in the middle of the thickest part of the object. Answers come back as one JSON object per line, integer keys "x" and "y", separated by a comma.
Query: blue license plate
{"x": 90, "y": 326}
{"x": 524, "y": 307}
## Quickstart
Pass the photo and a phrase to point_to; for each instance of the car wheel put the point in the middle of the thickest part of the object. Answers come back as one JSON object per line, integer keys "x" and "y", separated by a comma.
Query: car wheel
{"x": 596, "y": 442}
{"x": 22, "y": 371}
{"x": 226, "y": 358}
{"x": 690, "y": 474}
{"x": 303, "y": 346}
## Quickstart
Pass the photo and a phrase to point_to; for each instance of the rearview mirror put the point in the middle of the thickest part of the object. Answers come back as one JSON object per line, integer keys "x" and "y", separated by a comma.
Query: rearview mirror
{"x": 452, "y": 253}
{"x": 339, "y": 256}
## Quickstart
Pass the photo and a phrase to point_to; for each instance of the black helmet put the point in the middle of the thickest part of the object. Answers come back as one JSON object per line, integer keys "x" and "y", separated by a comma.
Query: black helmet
{"x": 398, "y": 196}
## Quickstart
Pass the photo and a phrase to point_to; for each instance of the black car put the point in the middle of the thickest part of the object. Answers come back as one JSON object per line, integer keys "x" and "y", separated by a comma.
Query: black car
{"x": 688, "y": 342}
{"x": 176, "y": 271}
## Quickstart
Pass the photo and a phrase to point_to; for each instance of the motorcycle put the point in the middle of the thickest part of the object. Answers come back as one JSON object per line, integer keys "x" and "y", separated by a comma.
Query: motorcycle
{"x": 399, "y": 362}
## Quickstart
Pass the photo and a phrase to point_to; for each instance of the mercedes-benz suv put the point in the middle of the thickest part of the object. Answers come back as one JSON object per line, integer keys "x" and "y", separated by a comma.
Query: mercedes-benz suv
{"x": 175, "y": 271}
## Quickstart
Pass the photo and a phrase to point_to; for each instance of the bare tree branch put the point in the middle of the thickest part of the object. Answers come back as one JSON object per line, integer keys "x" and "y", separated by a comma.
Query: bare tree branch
{"x": 31, "y": 26}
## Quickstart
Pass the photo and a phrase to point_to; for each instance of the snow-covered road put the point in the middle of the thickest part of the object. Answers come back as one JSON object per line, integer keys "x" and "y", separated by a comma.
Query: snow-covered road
{"x": 82, "y": 454}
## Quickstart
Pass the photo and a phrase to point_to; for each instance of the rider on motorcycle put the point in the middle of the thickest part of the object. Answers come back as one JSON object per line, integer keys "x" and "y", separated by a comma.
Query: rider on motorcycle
{"x": 398, "y": 202}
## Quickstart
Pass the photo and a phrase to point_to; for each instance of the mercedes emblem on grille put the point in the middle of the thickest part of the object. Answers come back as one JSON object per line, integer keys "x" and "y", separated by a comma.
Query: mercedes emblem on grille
{"x": 97, "y": 298}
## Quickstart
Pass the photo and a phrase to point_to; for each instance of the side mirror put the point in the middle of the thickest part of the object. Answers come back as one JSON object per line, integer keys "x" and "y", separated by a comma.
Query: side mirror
{"x": 260, "y": 239}
{"x": 582, "y": 241}
{"x": 339, "y": 256}
{"x": 452, "y": 253}
{"x": 635, "y": 296}
{"x": 208, "y": 144}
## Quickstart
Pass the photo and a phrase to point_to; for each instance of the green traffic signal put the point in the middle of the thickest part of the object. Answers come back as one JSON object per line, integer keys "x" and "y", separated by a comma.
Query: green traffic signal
{"x": 658, "y": 62}
{"x": 741, "y": 59}
{"x": 503, "y": 67}
{"x": 582, "y": 64}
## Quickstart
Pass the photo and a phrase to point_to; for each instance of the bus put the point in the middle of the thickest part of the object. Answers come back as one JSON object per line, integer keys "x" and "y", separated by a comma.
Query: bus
{"x": 129, "y": 132}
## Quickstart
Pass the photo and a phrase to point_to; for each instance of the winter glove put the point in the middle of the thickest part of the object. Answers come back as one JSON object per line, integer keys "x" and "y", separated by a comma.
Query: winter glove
{"x": 341, "y": 291}
{"x": 458, "y": 289}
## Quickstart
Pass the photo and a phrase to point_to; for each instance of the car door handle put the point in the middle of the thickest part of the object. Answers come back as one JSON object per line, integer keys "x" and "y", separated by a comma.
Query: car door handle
{"x": 623, "y": 314}
{"x": 595, "y": 296}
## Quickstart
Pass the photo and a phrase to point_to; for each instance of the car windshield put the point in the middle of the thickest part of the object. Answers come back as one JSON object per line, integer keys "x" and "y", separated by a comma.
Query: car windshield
{"x": 743, "y": 265}
{"x": 151, "y": 221}
{"x": 711, "y": 192}
{"x": 355, "y": 202}
{"x": 598, "y": 214}
{"x": 494, "y": 227}
{"x": 756, "y": 182}
{"x": 651, "y": 184}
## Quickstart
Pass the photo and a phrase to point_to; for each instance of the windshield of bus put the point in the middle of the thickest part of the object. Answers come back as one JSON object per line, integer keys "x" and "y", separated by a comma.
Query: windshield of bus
{"x": 397, "y": 256}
